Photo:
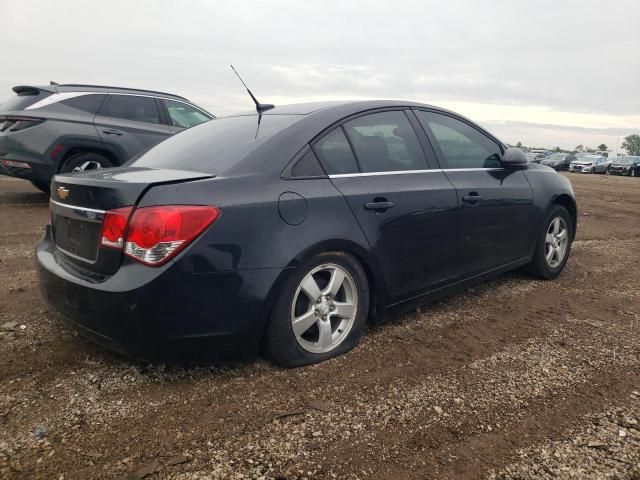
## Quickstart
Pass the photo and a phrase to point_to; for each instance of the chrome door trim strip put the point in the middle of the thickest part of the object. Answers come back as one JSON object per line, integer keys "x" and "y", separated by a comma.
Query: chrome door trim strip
{"x": 375, "y": 174}
{"x": 74, "y": 207}
{"x": 80, "y": 213}
{"x": 406, "y": 172}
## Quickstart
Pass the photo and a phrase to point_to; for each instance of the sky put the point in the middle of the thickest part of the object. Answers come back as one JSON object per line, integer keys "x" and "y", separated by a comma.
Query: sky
{"x": 546, "y": 73}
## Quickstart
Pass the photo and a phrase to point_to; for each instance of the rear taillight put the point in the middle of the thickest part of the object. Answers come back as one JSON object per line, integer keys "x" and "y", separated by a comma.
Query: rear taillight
{"x": 153, "y": 235}
{"x": 15, "y": 124}
{"x": 114, "y": 226}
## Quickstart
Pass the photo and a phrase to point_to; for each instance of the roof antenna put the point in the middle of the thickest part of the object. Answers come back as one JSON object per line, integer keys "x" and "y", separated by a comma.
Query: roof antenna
{"x": 260, "y": 107}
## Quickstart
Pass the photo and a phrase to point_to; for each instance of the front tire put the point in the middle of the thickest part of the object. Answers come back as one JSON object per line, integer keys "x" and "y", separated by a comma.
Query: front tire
{"x": 320, "y": 312}
{"x": 85, "y": 161}
{"x": 554, "y": 244}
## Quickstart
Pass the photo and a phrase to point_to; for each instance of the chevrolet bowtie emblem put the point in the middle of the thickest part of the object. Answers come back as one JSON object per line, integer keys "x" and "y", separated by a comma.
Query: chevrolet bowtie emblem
{"x": 63, "y": 192}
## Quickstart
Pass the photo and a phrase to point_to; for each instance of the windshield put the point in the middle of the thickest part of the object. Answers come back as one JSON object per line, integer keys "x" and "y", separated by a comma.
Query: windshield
{"x": 214, "y": 146}
{"x": 558, "y": 156}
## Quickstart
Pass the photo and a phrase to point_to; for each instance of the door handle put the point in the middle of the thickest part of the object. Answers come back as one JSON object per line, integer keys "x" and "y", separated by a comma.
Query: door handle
{"x": 472, "y": 198}
{"x": 379, "y": 206}
{"x": 112, "y": 132}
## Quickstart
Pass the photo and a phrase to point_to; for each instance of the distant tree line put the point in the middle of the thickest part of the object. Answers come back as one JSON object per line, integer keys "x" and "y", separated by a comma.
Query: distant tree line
{"x": 631, "y": 144}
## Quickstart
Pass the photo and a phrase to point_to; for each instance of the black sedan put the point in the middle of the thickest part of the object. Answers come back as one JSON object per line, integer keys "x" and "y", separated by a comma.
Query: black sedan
{"x": 559, "y": 161}
{"x": 292, "y": 229}
{"x": 625, "y": 166}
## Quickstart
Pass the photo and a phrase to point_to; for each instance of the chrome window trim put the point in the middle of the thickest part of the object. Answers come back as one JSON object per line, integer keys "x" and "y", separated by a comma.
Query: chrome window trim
{"x": 406, "y": 172}
{"x": 61, "y": 96}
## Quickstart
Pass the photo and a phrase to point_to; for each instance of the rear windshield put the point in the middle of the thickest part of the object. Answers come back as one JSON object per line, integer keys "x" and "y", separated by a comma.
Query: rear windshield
{"x": 216, "y": 145}
{"x": 20, "y": 102}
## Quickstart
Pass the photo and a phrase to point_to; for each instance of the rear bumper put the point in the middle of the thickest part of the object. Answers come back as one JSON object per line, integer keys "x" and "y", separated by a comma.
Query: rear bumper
{"x": 161, "y": 314}
{"x": 41, "y": 170}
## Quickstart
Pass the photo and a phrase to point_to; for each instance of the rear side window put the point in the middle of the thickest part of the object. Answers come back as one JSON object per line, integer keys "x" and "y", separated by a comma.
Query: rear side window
{"x": 461, "y": 145}
{"x": 86, "y": 103}
{"x": 307, "y": 166}
{"x": 385, "y": 142}
{"x": 183, "y": 115}
{"x": 335, "y": 154}
{"x": 131, "y": 107}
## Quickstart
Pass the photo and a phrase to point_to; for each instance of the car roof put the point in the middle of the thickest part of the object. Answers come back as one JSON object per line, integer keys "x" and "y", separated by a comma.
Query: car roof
{"x": 313, "y": 120}
{"x": 77, "y": 87}
{"x": 344, "y": 108}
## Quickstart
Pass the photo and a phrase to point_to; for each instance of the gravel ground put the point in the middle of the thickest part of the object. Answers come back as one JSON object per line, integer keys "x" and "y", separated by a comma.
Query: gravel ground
{"x": 513, "y": 379}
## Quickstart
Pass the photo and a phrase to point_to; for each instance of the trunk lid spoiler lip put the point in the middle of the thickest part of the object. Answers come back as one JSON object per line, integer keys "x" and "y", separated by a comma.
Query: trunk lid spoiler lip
{"x": 130, "y": 176}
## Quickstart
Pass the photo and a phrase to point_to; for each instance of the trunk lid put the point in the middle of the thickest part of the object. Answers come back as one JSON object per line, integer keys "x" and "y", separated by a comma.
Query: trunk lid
{"x": 78, "y": 204}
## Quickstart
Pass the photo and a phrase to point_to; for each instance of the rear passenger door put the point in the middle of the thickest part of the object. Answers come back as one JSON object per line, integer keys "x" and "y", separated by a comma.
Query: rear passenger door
{"x": 495, "y": 204}
{"x": 130, "y": 123}
{"x": 405, "y": 207}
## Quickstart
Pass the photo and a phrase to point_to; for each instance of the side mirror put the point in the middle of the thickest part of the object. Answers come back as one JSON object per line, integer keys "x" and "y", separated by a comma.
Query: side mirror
{"x": 514, "y": 156}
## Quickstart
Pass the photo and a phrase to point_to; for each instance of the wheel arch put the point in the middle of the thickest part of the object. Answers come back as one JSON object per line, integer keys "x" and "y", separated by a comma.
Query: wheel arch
{"x": 77, "y": 148}
{"x": 377, "y": 289}
{"x": 568, "y": 202}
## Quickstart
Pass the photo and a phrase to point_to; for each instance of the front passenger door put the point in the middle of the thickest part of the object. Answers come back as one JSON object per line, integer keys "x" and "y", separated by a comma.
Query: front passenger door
{"x": 406, "y": 209}
{"x": 495, "y": 204}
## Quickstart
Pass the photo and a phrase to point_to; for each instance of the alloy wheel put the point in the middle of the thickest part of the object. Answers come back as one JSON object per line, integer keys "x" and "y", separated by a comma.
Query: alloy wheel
{"x": 89, "y": 165}
{"x": 324, "y": 308}
{"x": 556, "y": 242}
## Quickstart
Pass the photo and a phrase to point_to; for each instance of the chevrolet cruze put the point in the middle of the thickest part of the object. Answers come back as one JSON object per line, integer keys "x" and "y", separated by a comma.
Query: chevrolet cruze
{"x": 287, "y": 231}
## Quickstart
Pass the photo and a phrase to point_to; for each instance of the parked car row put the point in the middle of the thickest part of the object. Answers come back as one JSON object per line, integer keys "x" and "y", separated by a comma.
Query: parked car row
{"x": 627, "y": 165}
{"x": 52, "y": 129}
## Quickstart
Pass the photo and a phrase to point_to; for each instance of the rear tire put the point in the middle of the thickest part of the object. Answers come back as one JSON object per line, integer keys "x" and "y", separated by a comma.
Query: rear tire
{"x": 85, "y": 161}
{"x": 43, "y": 187}
{"x": 551, "y": 255}
{"x": 330, "y": 319}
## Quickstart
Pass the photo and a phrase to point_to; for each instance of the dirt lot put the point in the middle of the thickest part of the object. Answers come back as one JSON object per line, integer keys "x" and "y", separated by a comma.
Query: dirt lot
{"x": 515, "y": 378}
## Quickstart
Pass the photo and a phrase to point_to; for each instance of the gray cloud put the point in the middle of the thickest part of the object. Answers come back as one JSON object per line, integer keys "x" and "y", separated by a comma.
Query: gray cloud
{"x": 575, "y": 56}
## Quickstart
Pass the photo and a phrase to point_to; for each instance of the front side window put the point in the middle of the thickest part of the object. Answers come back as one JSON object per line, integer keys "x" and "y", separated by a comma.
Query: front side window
{"x": 461, "y": 145}
{"x": 385, "y": 142}
{"x": 335, "y": 154}
{"x": 183, "y": 115}
{"x": 131, "y": 107}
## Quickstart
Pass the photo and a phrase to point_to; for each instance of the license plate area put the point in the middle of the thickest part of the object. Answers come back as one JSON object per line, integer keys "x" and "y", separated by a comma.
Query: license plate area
{"x": 78, "y": 238}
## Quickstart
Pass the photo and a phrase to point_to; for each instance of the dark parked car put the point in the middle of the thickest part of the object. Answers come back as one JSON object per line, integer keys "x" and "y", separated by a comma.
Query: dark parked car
{"x": 535, "y": 157}
{"x": 291, "y": 229}
{"x": 64, "y": 128}
{"x": 625, "y": 166}
{"x": 559, "y": 161}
